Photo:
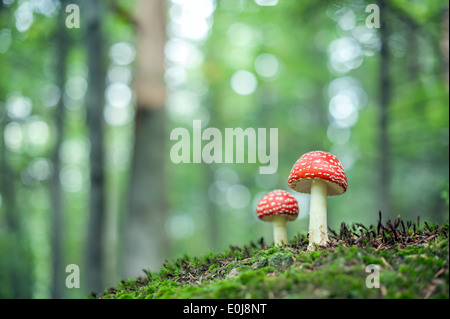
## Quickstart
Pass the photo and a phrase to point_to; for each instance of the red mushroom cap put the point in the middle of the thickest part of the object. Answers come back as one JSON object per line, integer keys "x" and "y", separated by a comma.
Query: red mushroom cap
{"x": 277, "y": 202}
{"x": 318, "y": 165}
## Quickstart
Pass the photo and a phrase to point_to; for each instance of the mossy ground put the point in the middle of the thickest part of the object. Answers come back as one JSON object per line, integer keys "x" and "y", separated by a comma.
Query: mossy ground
{"x": 412, "y": 262}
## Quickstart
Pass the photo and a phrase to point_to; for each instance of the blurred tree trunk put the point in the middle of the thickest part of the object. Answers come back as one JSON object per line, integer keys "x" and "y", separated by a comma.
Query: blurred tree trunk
{"x": 94, "y": 106}
{"x": 15, "y": 270}
{"x": 213, "y": 228}
{"x": 16, "y": 260}
{"x": 384, "y": 96}
{"x": 413, "y": 53}
{"x": 213, "y": 217}
{"x": 444, "y": 45}
{"x": 57, "y": 255}
{"x": 145, "y": 243}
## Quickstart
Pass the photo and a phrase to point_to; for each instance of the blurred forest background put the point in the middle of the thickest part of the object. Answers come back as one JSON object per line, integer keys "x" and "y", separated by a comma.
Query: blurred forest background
{"x": 86, "y": 115}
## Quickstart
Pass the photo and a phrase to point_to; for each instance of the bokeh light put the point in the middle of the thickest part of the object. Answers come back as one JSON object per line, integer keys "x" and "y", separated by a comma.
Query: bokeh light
{"x": 244, "y": 82}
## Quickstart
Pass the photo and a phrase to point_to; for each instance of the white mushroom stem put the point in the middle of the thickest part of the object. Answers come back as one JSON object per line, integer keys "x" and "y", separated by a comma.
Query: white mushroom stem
{"x": 279, "y": 230}
{"x": 318, "y": 230}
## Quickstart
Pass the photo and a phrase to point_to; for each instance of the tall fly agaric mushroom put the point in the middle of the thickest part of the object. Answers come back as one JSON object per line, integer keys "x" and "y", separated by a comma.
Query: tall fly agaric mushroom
{"x": 320, "y": 174}
{"x": 278, "y": 207}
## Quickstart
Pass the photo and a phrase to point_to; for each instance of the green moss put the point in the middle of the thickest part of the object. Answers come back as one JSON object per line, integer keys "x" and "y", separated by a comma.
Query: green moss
{"x": 269, "y": 251}
{"x": 125, "y": 296}
{"x": 250, "y": 276}
{"x": 227, "y": 290}
{"x": 212, "y": 267}
{"x": 417, "y": 270}
{"x": 281, "y": 260}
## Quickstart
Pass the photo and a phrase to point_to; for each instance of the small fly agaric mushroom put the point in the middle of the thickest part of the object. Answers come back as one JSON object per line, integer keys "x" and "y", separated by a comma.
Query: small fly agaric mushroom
{"x": 320, "y": 174}
{"x": 278, "y": 207}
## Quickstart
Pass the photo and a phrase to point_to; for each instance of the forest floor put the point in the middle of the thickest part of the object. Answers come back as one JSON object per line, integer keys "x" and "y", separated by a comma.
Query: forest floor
{"x": 412, "y": 262}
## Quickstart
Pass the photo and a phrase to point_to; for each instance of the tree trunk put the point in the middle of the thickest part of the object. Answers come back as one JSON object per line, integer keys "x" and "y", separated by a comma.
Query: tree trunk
{"x": 444, "y": 45}
{"x": 11, "y": 222}
{"x": 57, "y": 222}
{"x": 94, "y": 107}
{"x": 146, "y": 244}
{"x": 384, "y": 100}
{"x": 16, "y": 259}
{"x": 16, "y": 262}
